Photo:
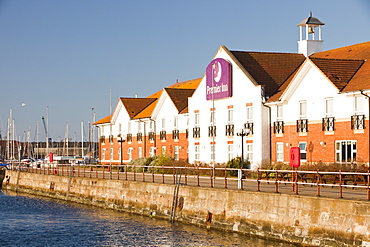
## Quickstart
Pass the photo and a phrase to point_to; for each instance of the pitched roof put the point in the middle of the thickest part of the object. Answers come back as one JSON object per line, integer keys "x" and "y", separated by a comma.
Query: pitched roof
{"x": 179, "y": 97}
{"x": 135, "y": 105}
{"x": 269, "y": 69}
{"x": 338, "y": 71}
{"x": 346, "y": 67}
{"x": 147, "y": 111}
{"x": 138, "y": 108}
{"x": 361, "y": 51}
{"x": 190, "y": 84}
{"x": 104, "y": 120}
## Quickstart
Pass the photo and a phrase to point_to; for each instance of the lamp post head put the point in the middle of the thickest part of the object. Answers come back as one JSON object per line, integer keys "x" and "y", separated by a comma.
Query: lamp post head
{"x": 121, "y": 139}
{"x": 243, "y": 132}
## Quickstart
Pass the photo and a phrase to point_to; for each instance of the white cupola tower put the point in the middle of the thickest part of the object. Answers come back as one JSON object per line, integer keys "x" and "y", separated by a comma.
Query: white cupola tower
{"x": 310, "y": 42}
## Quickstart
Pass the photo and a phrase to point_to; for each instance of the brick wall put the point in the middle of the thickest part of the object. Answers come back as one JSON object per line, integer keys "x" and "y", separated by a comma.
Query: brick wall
{"x": 321, "y": 144}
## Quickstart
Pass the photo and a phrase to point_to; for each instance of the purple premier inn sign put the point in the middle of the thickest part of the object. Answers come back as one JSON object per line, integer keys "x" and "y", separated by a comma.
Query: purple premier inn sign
{"x": 218, "y": 79}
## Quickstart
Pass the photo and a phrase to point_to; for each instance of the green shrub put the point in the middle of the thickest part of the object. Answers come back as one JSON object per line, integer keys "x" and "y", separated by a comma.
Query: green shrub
{"x": 235, "y": 164}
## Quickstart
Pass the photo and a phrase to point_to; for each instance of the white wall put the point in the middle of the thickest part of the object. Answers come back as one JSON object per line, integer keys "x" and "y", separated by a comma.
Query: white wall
{"x": 244, "y": 91}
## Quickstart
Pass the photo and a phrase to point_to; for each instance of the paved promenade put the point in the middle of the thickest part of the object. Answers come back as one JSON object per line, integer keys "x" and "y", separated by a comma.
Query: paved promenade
{"x": 302, "y": 188}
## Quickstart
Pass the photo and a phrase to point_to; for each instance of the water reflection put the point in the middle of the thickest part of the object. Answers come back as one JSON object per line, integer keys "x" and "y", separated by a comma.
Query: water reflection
{"x": 33, "y": 221}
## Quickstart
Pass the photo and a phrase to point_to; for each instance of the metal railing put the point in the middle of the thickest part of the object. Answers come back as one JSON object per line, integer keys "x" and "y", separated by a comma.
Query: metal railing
{"x": 314, "y": 183}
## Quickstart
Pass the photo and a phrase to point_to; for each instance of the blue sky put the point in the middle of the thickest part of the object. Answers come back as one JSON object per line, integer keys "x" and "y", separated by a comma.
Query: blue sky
{"x": 67, "y": 56}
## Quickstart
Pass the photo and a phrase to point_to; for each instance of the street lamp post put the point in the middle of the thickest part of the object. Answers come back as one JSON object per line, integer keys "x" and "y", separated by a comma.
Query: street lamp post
{"x": 242, "y": 133}
{"x": 121, "y": 140}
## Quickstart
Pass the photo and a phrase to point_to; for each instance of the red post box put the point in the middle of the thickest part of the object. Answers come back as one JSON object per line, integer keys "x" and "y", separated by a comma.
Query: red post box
{"x": 295, "y": 157}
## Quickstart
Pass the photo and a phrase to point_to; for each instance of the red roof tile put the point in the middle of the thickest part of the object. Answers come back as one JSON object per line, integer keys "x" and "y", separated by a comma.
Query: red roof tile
{"x": 190, "y": 84}
{"x": 269, "y": 69}
{"x": 361, "y": 51}
{"x": 179, "y": 97}
{"x": 338, "y": 71}
{"x": 135, "y": 105}
{"x": 104, "y": 120}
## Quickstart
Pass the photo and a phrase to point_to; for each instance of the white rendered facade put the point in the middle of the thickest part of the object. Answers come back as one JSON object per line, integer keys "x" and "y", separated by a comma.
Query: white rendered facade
{"x": 246, "y": 94}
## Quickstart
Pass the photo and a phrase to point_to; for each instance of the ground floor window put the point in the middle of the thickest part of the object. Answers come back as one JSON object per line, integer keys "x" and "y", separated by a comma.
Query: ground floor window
{"x": 230, "y": 151}
{"x": 280, "y": 151}
{"x": 197, "y": 152}
{"x": 164, "y": 150}
{"x": 140, "y": 152}
{"x": 249, "y": 156}
{"x": 345, "y": 151}
{"x": 111, "y": 154}
{"x": 152, "y": 151}
{"x": 303, "y": 148}
{"x": 176, "y": 153}
{"x": 129, "y": 154}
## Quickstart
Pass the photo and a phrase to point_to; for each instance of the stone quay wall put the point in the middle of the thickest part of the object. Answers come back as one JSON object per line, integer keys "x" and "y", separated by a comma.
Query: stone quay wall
{"x": 312, "y": 221}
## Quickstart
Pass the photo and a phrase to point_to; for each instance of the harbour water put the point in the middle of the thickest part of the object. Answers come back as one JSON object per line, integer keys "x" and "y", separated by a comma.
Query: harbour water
{"x": 34, "y": 221}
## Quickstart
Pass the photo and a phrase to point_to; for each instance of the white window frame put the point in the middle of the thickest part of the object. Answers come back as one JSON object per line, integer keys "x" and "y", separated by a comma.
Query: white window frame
{"x": 358, "y": 105}
{"x": 249, "y": 113}
{"x": 279, "y": 113}
{"x": 197, "y": 152}
{"x": 329, "y": 107}
{"x": 303, "y": 109}
{"x": 140, "y": 152}
{"x": 230, "y": 152}
{"x": 152, "y": 151}
{"x": 196, "y": 119}
{"x": 339, "y": 152}
{"x": 212, "y": 119}
{"x": 303, "y": 149}
{"x": 129, "y": 127}
{"x": 176, "y": 153}
{"x": 163, "y": 123}
{"x": 249, "y": 152}
{"x": 129, "y": 154}
{"x": 230, "y": 116}
{"x": 280, "y": 152}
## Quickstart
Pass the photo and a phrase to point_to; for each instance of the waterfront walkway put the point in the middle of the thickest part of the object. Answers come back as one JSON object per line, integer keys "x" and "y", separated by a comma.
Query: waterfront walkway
{"x": 324, "y": 184}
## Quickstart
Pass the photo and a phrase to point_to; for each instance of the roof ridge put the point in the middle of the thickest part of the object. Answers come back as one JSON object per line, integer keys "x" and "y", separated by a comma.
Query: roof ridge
{"x": 340, "y": 59}
{"x": 268, "y": 52}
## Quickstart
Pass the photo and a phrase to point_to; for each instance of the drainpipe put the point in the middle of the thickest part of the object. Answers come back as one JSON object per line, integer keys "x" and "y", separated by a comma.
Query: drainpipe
{"x": 155, "y": 137}
{"x": 368, "y": 128}
{"x": 269, "y": 124}
{"x": 144, "y": 138}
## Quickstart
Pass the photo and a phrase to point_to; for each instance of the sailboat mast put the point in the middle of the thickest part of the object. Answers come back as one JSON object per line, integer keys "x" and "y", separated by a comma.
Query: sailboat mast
{"x": 82, "y": 138}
